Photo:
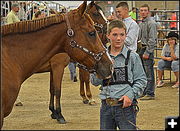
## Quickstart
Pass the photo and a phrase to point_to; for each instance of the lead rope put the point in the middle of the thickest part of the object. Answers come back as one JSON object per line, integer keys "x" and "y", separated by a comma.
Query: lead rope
{"x": 129, "y": 120}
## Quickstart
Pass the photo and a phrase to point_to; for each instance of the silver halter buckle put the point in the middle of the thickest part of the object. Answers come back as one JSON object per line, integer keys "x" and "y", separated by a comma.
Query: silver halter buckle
{"x": 70, "y": 32}
{"x": 73, "y": 43}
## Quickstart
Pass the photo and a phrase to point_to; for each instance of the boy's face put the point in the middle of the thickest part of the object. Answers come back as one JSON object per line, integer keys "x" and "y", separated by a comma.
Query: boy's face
{"x": 144, "y": 12}
{"x": 121, "y": 12}
{"x": 117, "y": 37}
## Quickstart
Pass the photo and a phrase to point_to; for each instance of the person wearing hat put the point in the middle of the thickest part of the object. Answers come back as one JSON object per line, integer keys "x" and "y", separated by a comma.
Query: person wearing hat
{"x": 12, "y": 16}
{"x": 34, "y": 11}
{"x": 169, "y": 59}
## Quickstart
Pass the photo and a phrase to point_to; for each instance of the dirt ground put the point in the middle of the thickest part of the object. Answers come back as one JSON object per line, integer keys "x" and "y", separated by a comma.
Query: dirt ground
{"x": 34, "y": 114}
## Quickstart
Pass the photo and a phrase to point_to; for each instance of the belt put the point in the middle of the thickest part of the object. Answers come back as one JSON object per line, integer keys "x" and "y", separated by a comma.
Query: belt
{"x": 112, "y": 102}
{"x": 115, "y": 102}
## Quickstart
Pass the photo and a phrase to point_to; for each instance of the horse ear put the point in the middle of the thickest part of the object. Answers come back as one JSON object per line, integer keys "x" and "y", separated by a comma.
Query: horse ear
{"x": 82, "y": 8}
{"x": 92, "y": 3}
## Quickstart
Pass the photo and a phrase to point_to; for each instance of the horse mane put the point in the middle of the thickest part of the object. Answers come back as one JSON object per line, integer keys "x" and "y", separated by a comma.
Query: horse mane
{"x": 98, "y": 7}
{"x": 32, "y": 25}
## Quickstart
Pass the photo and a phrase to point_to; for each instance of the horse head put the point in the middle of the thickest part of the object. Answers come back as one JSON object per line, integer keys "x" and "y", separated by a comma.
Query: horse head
{"x": 89, "y": 51}
{"x": 97, "y": 15}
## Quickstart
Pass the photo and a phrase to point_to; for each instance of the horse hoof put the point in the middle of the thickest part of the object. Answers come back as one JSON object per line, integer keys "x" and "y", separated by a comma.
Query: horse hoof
{"x": 92, "y": 103}
{"x": 85, "y": 101}
{"x": 75, "y": 79}
{"x": 61, "y": 121}
{"x": 19, "y": 104}
{"x": 53, "y": 116}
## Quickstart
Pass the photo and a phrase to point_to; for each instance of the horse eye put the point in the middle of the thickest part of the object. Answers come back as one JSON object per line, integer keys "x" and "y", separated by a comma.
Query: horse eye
{"x": 93, "y": 33}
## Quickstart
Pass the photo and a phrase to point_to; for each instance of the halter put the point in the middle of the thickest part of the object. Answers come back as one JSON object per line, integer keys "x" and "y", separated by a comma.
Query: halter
{"x": 102, "y": 28}
{"x": 74, "y": 44}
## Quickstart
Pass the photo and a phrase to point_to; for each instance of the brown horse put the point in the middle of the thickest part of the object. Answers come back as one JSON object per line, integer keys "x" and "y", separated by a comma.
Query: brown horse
{"x": 57, "y": 68}
{"x": 100, "y": 20}
{"x": 58, "y": 62}
{"x": 27, "y": 45}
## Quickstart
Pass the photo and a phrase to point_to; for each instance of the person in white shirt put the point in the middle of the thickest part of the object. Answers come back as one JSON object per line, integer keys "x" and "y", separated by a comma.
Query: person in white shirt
{"x": 122, "y": 13}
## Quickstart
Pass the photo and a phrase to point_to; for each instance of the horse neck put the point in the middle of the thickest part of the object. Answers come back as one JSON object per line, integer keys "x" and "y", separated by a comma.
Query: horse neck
{"x": 29, "y": 51}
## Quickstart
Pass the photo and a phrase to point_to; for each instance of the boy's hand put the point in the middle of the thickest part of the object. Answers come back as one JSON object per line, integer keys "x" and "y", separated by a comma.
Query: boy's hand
{"x": 126, "y": 101}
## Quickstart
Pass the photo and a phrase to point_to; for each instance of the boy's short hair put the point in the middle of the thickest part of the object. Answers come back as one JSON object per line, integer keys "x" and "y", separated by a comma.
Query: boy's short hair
{"x": 146, "y": 5}
{"x": 123, "y": 4}
{"x": 114, "y": 24}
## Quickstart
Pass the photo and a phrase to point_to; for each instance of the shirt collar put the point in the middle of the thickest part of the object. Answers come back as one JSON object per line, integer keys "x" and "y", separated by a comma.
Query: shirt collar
{"x": 146, "y": 19}
{"x": 123, "y": 52}
{"x": 126, "y": 19}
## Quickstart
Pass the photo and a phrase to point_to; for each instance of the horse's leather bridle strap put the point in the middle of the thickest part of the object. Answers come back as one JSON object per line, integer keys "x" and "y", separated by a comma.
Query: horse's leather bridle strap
{"x": 74, "y": 44}
{"x": 85, "y": 68}
{"x": 102, "y": 29}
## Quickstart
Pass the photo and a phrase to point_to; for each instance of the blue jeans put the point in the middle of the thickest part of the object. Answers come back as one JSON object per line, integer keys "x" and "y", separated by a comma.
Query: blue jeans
{"x": 174, "y": 65}
{"x": 148, "y": 66}
{"x": 72, "y": 69}
{"x": 112, "y": 117}
{"x": 149, "y": 70}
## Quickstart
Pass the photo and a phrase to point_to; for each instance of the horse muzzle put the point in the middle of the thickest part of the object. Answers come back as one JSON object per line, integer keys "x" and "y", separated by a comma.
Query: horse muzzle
{"x": 104, "y": 70}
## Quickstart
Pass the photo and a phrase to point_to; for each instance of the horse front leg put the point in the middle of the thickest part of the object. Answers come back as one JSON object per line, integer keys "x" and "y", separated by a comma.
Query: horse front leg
{"x": 60, "y": 117}
{"x": 58, "y": 64}
{"x": 88, "y": 90}
{"x": 82, "y": 90}
{"x": 51, "y": 103}
{"x": 57, "y": 81}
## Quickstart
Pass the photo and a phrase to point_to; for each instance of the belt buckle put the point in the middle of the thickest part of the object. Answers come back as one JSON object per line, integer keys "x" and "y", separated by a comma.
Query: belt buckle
{"x": 111, "y": 102}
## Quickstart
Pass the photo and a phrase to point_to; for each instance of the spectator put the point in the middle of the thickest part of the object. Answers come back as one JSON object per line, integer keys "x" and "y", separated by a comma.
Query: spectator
{"x": 72, "y": 69}
{"x": 38, "y": 15}
{"x": 52, "y": 12}
{"x": 122, "y": 12}
{"x": 148, "y": 37}
{"x": 169, "y": 58}
{"x": 22, "y": 13}
{"x": 173, "y": 25}
{"x": 43, "y": 12}
{"x": 12, "y": 16}
{"x": 33, "y": 11}
{"x": 119, "y": 94}
{"x": 133, "y": 13}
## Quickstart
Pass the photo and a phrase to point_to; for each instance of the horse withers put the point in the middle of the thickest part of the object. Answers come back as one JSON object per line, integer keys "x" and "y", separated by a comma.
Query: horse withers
{"x": 27, "y": 45}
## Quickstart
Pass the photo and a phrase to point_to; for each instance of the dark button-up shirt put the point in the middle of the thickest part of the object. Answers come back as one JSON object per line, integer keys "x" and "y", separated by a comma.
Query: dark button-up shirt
{"x": 148, "y": 34}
